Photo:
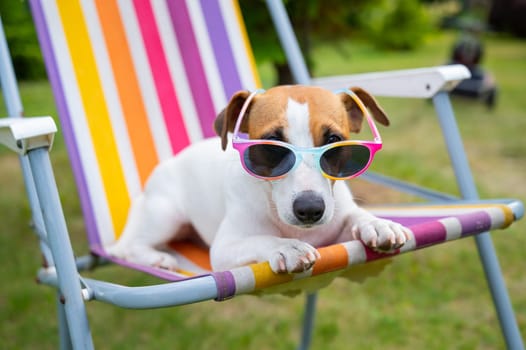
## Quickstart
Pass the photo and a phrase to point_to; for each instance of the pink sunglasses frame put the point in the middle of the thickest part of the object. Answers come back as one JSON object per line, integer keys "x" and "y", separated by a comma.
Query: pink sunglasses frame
{"x": 241, "y": 144}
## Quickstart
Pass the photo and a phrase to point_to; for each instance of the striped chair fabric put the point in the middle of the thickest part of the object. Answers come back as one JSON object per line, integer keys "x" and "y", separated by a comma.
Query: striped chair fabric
{"x": 136, "y": 81}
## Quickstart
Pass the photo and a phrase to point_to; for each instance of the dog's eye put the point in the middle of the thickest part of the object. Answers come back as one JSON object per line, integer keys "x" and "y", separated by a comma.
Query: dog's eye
{"x": 333, "y": 138}
{"x": 276, "y": 135}
{"x": 273, "y": 138}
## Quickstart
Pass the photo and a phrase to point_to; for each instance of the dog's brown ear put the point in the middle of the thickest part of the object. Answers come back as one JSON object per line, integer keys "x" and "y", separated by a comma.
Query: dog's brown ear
{"x": 226, "y": 119}
{"x": 355, "y": 113}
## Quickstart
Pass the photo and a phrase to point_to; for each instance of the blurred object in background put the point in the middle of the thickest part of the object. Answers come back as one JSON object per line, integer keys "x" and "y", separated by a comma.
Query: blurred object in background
{"x": 469, "y": 51}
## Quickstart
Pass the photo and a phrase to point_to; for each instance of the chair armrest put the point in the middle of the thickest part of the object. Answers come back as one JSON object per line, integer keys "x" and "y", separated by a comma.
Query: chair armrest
{"x": 24, "y": 134}
{"x": 416, "y": 83}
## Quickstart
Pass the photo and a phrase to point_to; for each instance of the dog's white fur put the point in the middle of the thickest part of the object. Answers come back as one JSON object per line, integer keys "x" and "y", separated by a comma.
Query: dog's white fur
{"x": 244, "y": 219}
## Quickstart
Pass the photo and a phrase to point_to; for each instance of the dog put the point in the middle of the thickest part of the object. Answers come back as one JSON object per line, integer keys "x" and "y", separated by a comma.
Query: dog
{"x": 247, "y": 219}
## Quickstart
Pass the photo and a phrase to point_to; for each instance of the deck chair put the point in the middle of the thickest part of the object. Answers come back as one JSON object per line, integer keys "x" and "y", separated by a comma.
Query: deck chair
{"x": 134, "y": 83}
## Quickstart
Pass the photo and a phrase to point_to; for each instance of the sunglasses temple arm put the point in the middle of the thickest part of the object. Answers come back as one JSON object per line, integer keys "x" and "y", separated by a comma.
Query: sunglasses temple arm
{"x": 244, "y": 109}
{"x": 374, "y": 129}
{"x": 370, "y": 121}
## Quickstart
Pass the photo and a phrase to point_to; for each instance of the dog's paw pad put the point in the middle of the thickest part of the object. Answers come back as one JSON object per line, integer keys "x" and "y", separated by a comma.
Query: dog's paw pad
{"x": 382, "y": 235}
{"x": 293, "y": 257}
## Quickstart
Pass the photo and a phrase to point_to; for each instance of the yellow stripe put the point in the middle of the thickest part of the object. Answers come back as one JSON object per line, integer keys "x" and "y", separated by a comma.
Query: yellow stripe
{"x": 97, "y": 116}
{"x": 509, "y": 216}
{"x": 265, "y": 278}
{"x": 246, "y": 42}
{"x": 185, "y": 273}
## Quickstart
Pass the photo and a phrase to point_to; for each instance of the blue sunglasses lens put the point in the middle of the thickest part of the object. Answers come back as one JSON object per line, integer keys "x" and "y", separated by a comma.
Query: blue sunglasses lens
{"x": 269, "y": 160}
{"x": 345, "y": 161}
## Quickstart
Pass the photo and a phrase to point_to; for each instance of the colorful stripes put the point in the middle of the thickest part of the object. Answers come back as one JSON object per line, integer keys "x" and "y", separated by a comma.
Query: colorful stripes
{"x": 136, "y": 81}
{"x": 159, "y": 68}
{"x": 127, "y": 85}
{"x": 448, "y": 223}
{"x": 442, "y": 228}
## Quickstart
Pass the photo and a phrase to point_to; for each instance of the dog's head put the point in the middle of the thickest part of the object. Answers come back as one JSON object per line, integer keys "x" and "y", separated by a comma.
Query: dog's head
{"x": 304, "y": 117}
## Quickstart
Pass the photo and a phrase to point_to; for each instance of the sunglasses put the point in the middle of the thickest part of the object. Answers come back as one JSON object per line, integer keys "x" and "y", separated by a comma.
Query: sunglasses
{"x": 272, "y": 160}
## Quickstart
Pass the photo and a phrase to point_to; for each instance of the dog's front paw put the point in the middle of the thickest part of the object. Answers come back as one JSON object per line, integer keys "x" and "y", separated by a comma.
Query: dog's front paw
{"x": 381, "y": 235}
{"x": 293, "y": 256}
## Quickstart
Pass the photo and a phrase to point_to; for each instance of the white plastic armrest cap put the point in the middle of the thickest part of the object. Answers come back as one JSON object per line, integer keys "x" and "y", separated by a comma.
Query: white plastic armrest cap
{"x": 24, "y": 134}
{"x": 414, "y": 83}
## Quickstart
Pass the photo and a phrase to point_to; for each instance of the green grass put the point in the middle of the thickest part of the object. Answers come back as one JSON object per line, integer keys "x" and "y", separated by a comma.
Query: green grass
{"x": 433, "y": 299}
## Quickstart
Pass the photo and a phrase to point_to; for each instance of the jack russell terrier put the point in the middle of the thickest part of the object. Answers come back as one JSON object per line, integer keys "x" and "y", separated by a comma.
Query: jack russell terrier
{"x": 271, "y": 192}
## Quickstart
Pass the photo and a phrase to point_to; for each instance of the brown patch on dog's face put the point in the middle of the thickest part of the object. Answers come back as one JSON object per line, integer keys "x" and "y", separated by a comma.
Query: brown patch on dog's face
{"x": 328, "y": 116}
{"x": 267, "y": 114}
{"x": 329, "y": 120}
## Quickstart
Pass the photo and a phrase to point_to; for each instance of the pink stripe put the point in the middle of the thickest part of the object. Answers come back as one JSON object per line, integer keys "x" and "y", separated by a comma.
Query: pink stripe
{"x": 429, "y": 233}
{"x": 193, "y": 65}
{"x": 159, "y": 67}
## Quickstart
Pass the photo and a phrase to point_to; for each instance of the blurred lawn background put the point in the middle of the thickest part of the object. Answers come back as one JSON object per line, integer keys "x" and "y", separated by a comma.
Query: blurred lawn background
{"x": 433, "y": 299}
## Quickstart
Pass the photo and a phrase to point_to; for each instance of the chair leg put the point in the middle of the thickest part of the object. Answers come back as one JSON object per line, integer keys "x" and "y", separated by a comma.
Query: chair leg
{"x": 485, "y": 246}
{"x": 60, "y": 245}
{"x": 63, "y": 330}
{"x": 308, "y": 321}
{"x": 289, "y": 44}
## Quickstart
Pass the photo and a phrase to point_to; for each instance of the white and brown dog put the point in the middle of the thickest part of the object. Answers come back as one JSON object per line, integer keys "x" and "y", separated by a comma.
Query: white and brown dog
{"x": 245, "y": 219}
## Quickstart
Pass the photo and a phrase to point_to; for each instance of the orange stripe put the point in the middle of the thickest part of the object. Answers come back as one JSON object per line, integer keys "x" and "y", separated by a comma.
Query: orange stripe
{"x": 128, "y": 88}
{"x": 97, "y": 116}
{"x": 333, "y": 257}
{"x": 194, "y": 253}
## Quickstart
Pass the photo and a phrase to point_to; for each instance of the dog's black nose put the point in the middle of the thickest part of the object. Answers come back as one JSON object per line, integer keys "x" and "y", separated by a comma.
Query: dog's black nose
{"x": 308, "y": 207}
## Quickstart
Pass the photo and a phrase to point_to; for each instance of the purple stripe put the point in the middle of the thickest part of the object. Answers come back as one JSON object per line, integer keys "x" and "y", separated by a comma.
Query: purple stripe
{"x": 65, "y": 119}
{"x": 413, "y": 220}
{"x": 226, "y": 285}
{"x": 193, "y": 65}
{"x": 221, "y": 45}
{"x": 477, "y": 222}
{"x": 429, "y": 233}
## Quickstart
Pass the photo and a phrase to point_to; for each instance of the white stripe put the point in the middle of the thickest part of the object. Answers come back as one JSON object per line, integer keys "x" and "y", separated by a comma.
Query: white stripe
{"x": 78, "y": 121}
{"x": 112, "y": 99}
{"x": 409, "y": 244}
{"x": 177, "y": 72}
{"x": 206, "y": 53}
{"x": 498, "y": 217}
{"x": 244, "y": 278}
{"x": 355, "y": 252}
{"x": 237, "y": 42}
{"x": 146, "y": 82}
{"x": 453, "y": 228}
